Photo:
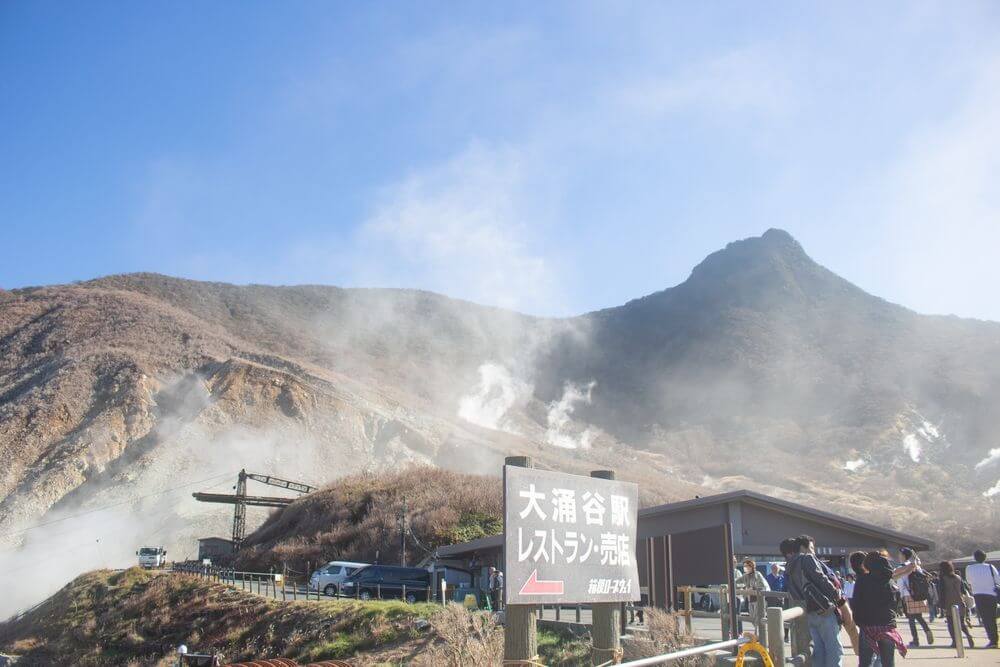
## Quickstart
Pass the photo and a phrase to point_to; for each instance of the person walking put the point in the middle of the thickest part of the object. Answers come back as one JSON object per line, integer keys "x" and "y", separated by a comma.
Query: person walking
{"x": 874, "y": 605}
{"x": 806, "y": 580}
{"x": 752, "y": 579}
{"x": 915, "y": 589}
{"x": 984, "y": 582}
{"x": 933, "y": 595}
{"x": 950, "y": 594}
{"x": 754, "y": 582}
{"x": 496, "y": 589}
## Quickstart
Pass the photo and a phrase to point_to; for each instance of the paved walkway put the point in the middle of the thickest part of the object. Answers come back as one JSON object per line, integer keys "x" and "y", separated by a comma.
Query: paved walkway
{"x": 926, "y": 656}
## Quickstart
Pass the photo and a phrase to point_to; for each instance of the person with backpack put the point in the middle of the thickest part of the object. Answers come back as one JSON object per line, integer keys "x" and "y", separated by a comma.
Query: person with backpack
{"x": 985, "y": 584}
{"x": 951, "y": 595}
{"x": 806, "y": 580}
{"x": 915, "y": 590}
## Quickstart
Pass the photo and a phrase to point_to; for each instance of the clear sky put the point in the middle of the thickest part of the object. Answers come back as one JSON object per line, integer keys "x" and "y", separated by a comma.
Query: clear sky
{"x": 549, "y": 157}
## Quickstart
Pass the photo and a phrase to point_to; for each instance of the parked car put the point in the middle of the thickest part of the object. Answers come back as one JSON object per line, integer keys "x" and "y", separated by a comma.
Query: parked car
{"x": 330, "y": 577}
{"x": 387, "y": 581}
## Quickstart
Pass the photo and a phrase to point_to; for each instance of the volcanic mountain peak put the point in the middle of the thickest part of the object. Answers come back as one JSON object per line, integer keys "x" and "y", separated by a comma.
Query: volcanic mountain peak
{"x": 760, "y": 269}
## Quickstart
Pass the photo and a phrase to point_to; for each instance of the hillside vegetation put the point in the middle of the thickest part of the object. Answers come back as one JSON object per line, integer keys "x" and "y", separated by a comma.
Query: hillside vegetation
{"x": 358, "y": 518}
{"x": 139, "y": 618}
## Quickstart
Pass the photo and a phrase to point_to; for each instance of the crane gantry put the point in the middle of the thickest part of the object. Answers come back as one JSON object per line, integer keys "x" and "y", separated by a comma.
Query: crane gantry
{"x": 241, "y": 500}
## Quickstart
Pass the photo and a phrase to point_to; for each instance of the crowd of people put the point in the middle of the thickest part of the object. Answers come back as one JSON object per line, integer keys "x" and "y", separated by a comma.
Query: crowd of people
{"x": 869, "y": 599}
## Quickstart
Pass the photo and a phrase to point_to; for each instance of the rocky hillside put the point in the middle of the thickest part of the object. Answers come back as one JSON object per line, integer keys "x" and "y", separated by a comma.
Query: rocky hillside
{"x": 762, "y": 370}
{"x": 357, "y": 518}
{"x": 138, "y": 618}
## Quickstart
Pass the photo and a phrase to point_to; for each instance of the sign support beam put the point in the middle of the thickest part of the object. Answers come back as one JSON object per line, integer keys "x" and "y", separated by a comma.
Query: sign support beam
{"x": 606, "y": 630}
{"x": 520, "y": 639}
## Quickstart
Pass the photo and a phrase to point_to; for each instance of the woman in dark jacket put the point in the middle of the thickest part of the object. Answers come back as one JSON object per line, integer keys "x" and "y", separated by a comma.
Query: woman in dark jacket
{"x": 874, "y": 605}
{"x": 951, "y": 595}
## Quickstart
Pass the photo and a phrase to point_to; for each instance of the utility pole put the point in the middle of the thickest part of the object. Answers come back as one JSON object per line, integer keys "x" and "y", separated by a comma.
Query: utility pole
{"x": 240, "y": 511}
{"x": 402, "y": 536}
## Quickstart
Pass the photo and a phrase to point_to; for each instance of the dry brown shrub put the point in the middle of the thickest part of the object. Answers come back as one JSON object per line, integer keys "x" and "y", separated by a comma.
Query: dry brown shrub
{"x": 358, "y": 517}
{"x": 464, "y": 638}
{"x": 666, "y": 634}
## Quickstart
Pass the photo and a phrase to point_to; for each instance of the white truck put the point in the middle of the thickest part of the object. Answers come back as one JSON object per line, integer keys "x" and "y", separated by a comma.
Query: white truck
{"x": 152, "y": 557}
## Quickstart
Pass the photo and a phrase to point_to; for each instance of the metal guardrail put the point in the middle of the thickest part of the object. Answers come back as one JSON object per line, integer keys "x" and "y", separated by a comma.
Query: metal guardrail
{"x": 276, "y": 585}
{"x": 21, "y": 613}
{"x": 687, "y": 652}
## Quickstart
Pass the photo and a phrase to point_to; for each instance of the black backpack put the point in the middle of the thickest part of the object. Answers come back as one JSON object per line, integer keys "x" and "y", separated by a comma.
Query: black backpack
{"x": 920, "y": 585}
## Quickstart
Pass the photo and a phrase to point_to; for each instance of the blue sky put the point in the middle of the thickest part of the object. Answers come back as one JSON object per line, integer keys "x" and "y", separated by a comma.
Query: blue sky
{"x": 549, "y": 157}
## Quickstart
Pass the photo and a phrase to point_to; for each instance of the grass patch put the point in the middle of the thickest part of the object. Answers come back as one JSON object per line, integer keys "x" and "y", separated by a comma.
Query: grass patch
{"x": 559, "y": 648}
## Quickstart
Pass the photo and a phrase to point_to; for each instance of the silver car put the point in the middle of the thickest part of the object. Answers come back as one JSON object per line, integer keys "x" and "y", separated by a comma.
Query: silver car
{"x": 329, "y": 577}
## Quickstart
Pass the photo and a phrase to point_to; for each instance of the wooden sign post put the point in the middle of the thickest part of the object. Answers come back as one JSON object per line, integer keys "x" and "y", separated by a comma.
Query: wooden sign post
{"x": 520, "y": 638}
{"x": 606, "y": 630}
{"x": 568, "y": 539}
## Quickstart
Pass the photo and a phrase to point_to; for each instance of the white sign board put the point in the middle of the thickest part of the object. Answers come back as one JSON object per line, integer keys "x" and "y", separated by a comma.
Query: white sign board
{"x": 569, "y": 538}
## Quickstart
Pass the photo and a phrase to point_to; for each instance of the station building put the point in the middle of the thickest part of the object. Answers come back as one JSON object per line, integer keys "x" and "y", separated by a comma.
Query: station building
{"x": 214, "y": 548}
{"x": 668, "y": 537}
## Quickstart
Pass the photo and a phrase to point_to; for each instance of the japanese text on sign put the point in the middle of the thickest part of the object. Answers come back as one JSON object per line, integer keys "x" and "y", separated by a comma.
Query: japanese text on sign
{"x": 570, "y": 536}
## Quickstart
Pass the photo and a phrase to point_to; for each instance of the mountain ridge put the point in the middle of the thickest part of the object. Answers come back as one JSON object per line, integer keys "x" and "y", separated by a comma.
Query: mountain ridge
{"x": 762, "y": 369}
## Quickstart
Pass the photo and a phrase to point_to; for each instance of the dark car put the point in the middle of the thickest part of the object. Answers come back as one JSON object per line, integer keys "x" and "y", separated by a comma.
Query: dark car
{"x": 387, "y": 581}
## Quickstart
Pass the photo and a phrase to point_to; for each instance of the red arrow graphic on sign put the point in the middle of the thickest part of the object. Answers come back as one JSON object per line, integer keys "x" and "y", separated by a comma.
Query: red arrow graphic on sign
{"x": 535, "y": 587}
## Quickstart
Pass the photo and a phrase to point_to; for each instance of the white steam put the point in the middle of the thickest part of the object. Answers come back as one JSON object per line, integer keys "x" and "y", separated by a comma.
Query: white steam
{"x": 559, "y": 417}
{"x": 497, "y": 392}
{"x": 854, "y": 465}
{"x": 149, "y": 503}
{"x": 993, "y": 490}
{"x": 990, "y": 459}
{"x": 929, "y": 431}
{"x": 924, "y": 434}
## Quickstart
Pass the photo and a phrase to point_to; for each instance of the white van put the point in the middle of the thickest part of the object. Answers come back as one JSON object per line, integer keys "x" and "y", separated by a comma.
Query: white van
{"x": 329, "y": 577}
{"x": 151, "y": 558}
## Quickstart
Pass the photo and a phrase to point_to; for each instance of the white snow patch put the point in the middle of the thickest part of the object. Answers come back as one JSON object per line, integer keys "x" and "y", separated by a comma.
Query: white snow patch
{"x": 559, "y": 417}
{"x": 992, "y": 457}
{"x": 497, "y": 392}
{"x": 851, "y": 466}
{"x": 913, "y": 447}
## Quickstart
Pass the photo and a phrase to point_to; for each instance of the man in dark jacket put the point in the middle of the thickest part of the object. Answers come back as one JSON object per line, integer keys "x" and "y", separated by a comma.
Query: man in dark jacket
{"x": 806, "y": 580}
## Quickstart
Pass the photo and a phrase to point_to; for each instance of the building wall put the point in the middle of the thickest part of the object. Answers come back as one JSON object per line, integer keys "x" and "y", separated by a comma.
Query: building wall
{"x": 214, "y": 548}
{"x": 679, "y": 522}
{"x": 757, "y": 531}
{"x": 764, "y": 528}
